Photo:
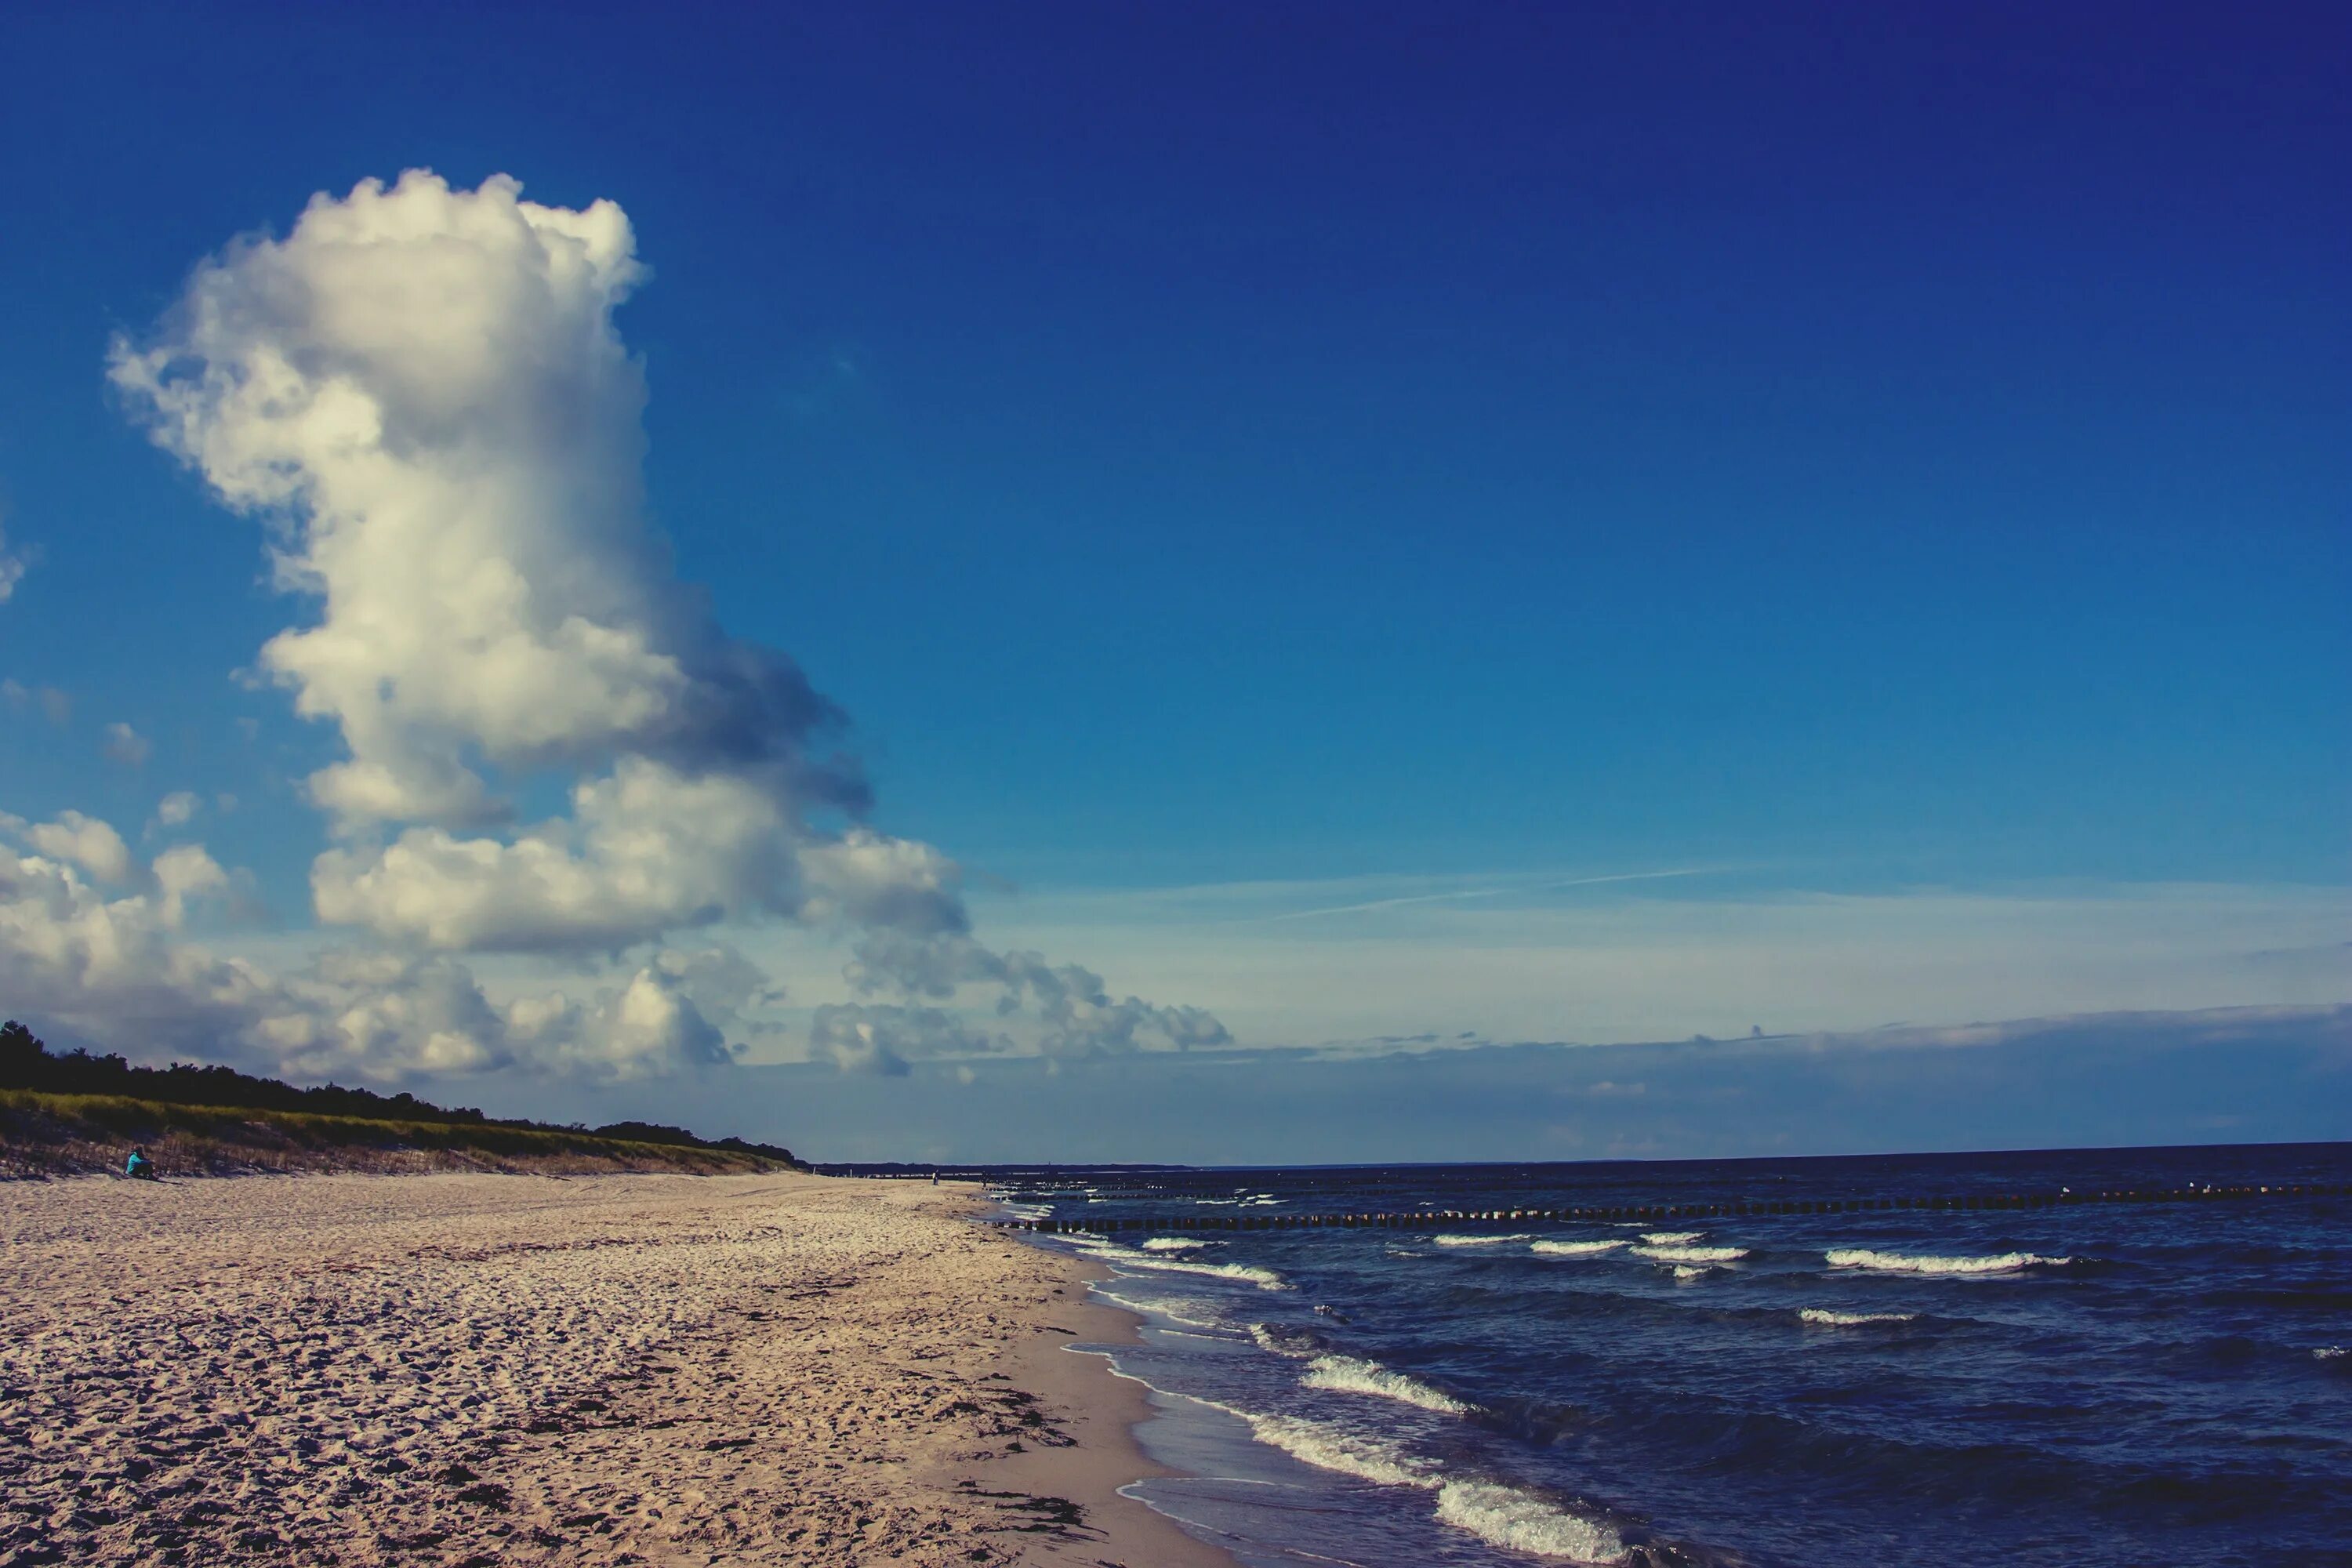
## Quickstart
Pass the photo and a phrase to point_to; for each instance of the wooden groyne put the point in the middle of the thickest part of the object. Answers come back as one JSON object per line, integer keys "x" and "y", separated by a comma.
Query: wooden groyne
{"x": 1664, "y": 1214}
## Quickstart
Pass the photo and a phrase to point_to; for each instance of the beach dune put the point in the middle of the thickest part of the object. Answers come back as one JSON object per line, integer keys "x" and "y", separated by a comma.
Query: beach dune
{"x": 477, "y": 1369}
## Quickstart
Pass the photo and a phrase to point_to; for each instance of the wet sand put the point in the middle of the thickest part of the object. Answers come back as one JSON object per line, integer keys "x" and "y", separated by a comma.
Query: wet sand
{"x": 497, "y": 1369}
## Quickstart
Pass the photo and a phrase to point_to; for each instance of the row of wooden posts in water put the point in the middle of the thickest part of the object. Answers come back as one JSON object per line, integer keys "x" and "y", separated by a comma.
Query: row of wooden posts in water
{"x": 1425, "y": 1219}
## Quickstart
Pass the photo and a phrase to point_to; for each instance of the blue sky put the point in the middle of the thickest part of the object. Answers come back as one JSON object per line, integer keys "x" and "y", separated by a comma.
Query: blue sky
{"x": 1346, "y": 454}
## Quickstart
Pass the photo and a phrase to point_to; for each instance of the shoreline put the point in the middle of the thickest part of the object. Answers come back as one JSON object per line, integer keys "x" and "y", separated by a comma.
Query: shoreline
{"x": 661, "y": 1370}
{"x": 1104, "y": 1410}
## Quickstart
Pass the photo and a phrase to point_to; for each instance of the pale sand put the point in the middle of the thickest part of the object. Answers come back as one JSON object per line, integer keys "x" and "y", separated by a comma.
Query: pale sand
{"x": 481, "y": 1369}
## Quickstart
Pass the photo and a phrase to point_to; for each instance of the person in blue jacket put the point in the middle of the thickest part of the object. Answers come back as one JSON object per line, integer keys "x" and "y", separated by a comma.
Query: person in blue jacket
{"x": 139, "y": 1167}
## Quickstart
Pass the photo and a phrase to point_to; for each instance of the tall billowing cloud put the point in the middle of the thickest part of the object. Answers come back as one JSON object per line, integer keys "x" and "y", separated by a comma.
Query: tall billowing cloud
{"x": 423, "y": 389}
{"x": 423, "y": 392}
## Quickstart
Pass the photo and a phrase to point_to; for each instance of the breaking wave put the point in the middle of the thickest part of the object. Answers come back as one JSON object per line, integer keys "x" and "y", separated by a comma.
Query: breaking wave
{"x": 1187, "y": 1311}
{"x": 1357, "y": 1454}
{"x": 1904, "y": 1263}
{"x": 1830, "y": 1319}
{"x": 1264, "y": 1278}
{"x": 1177, "y": 1244}
{"x": 1128, "y": 1258}
{"x": 1455, "y": 1238}
{"x": 1575, "y": 1248}
{"x": 1292, "y": 1343}
{"x": 1346, "y": 1375}
{"x": 1671, "y": 1238}
{"x": 1692, "y": 1254}
{"x": 1500, "y": 1515}
{"x": 1506, "y": 1516}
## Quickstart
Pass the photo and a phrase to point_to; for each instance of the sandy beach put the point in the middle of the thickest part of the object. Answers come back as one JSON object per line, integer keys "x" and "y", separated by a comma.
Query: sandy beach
{"x": 480, "y": 1369}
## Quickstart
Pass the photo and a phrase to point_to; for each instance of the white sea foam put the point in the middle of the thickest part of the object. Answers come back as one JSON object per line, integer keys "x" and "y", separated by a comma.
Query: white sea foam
{"x": 1575, "y": 1248}
{"x": 1329, "y": 1446}
{"x": 1346, "y": 1375}
{"x": 1283, "y": 1342}
{"x": 1456, "y": 1238}
{"x": 2329, "y": 1352}
{"x": 1177, "y": 1244}
{"x": 1832, "y": 1319}
{"x": 1671, "y": 1238}
{"x": 1197, "y": 1314}
{"x": 1691, "y": 1254}
{"x": 1128, "y": 1258}
{"x": 1504, "y": 1516}
{"x": 1905, "y": 1263}
{"x": 1692, "y": 1270}
{"x": 1264, "y": 1278}
{"x": 1499, "y": 1515}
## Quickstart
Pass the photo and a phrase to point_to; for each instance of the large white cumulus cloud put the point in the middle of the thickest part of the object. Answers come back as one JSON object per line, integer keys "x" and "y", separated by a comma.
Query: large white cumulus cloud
{"x": 423, "y": 392}
{"x": 423, "y": 389}
{"x": 119, "y": 970}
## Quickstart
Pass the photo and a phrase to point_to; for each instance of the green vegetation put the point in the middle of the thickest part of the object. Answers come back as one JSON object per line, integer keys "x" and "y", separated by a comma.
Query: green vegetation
{"x": 76, "y": 1112}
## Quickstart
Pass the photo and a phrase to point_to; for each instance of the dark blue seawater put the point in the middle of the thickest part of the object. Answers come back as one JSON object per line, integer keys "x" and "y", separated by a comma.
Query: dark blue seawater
{"x": 2085, "y": 1385}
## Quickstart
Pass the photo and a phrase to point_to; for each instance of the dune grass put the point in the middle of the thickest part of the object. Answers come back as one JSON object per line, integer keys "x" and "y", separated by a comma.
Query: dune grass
{"x": 64, "y": 1134}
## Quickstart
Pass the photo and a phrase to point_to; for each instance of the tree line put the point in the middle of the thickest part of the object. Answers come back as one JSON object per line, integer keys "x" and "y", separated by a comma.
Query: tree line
{"x": 27, "y": 1062}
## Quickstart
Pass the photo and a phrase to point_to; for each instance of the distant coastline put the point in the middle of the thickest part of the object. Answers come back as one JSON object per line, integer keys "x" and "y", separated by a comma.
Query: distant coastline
{"x": 77, "y": 1114}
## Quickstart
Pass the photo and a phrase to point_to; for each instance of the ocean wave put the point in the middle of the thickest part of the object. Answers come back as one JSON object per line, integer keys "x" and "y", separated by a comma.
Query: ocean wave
{"x": 1177, "y": 1244}
{"x": 1346, "y": 1375}
{"x": 1499, "y": 1515}
{"x": 1508, "y": 1517}
{"x": 1671, "y": 1238}
{"x": 1128, "y": 1258}
{"x": 1329, "y": 1446}
{"x": 1835, "y": 1320}
{"x": 1691, "y": 1254}
{"x": 1193, "y": 1313}
{"x": 1905, "y": 1263}
{"x": 1296, "y": 1343}
{"x": 1455, "y": 1238}
{"x": 1264, "y": 1278}
{"x": 2329, "y": 1352}
{"x": 1692, "y": 1270}
{"x": 1574, "y": 1248}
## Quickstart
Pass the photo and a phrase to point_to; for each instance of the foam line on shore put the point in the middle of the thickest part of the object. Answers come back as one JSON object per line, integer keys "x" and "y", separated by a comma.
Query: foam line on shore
{"x": 1496, "y": 1514}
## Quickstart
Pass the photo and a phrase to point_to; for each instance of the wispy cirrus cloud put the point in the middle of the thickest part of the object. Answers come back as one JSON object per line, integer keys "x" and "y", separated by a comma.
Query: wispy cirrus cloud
{"x": 1521, "y": 888}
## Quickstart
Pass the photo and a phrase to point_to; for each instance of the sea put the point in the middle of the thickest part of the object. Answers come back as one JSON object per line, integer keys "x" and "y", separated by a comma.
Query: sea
{"x": 1811, "y": 1384}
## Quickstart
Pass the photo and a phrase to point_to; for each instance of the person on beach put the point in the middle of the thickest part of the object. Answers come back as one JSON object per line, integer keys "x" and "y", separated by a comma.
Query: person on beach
{"x": 139, "y": 1167}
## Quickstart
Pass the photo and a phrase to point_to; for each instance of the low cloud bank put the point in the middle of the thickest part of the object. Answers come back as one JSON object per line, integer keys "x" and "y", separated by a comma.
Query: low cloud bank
{"x": 2232, "y": 1075}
